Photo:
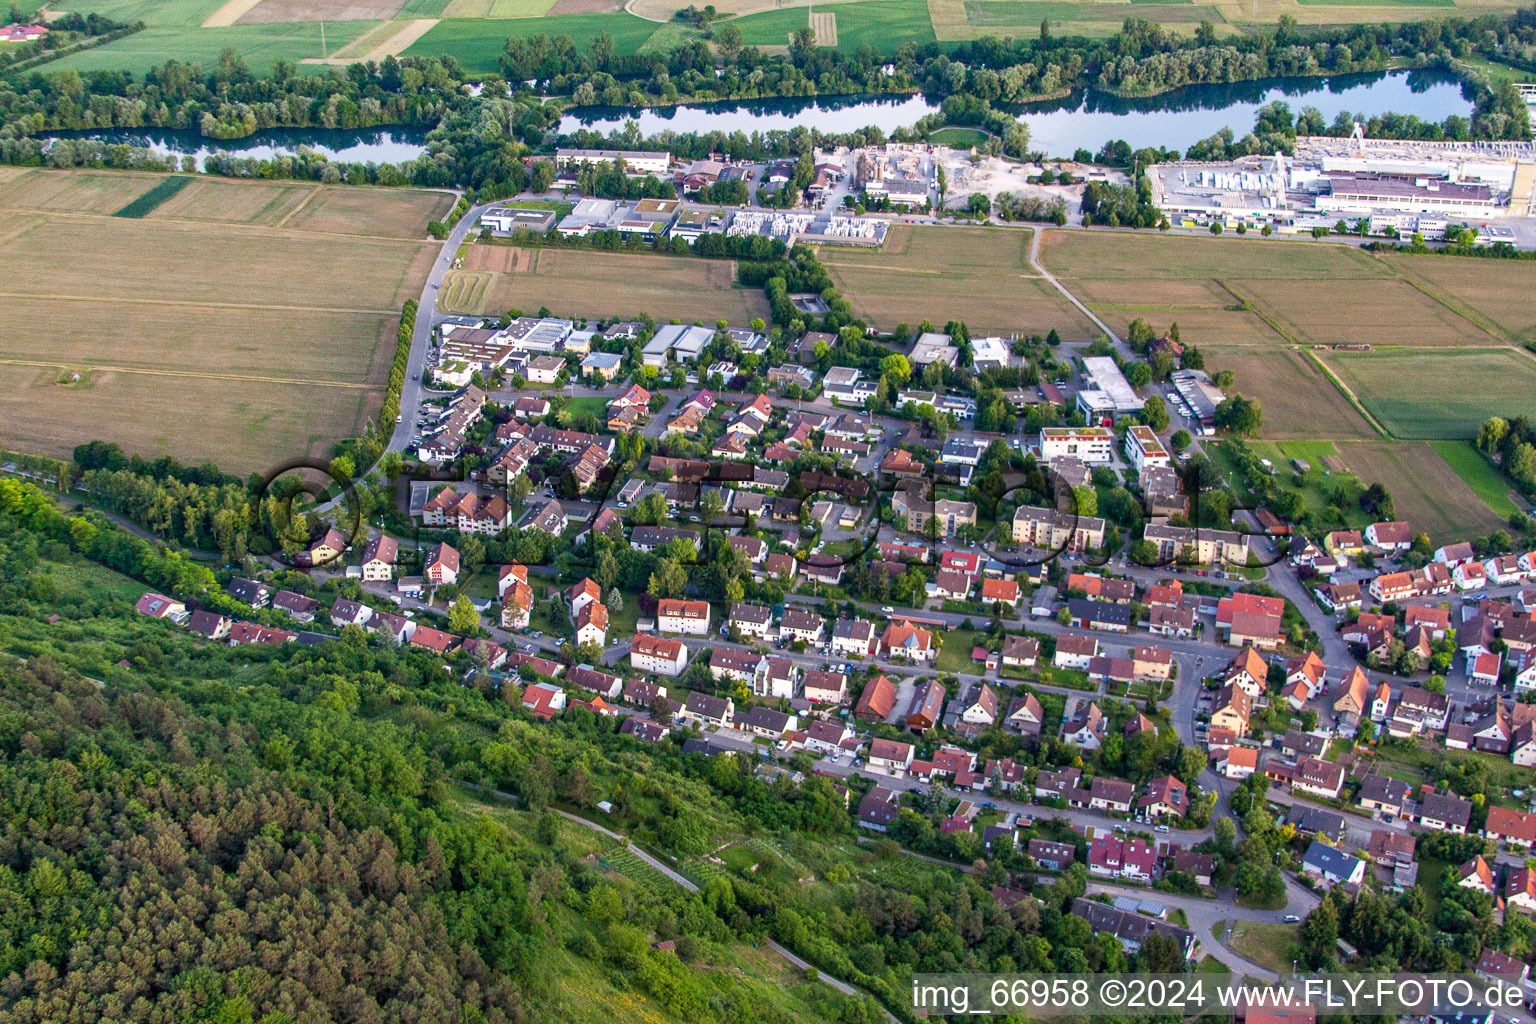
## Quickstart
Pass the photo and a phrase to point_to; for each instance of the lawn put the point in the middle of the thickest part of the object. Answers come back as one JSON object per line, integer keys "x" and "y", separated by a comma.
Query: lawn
{"x": 1467, "y": 387}
{"x": 1479, "y": 474}
{"x": 1266, "y": 943}
{"x": 1426, "y": 490}
{"x": 955, "y": 656}
{"x": 280, "y": 359}
{"x": 960, "y": 138}
{"x": 979, "y": 275}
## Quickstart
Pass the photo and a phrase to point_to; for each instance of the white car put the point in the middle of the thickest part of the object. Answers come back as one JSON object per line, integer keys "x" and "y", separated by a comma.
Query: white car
{"x": 887, "y": 610}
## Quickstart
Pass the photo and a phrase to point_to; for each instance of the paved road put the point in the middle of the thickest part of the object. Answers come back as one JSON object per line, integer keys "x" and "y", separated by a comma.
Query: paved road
{"x": 427, "y": 318}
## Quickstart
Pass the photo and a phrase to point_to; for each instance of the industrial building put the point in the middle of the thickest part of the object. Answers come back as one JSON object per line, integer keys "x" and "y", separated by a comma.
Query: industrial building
{"x": 1396, "y": 186}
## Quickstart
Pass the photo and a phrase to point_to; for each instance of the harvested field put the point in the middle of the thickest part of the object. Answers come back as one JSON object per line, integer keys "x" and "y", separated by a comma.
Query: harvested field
{"x": 987, "y": 304}
{"x": 825, "y": 27}
{"x": 270, "y": 342}
{"x": 103, "y": 192}
{"x": 1299, "y": 401}
{"x": 1385, "y": 313}
{"x": 979, "y": 275}
{"x": 228, "y": 202}
{"x": 1201, "y": 327}
{"x": 504, "y": 259}
{"x": 245, "y": 344}
{"x": 1425, "y": 489}
{"x": 1135, "y": 295}
{"x": 585, "y": 7}
{"x": 1439, "y": 394}
{"x": 1499, "y": 290}
{"x": 270, "y": 11}
{"x": 1125, "y": 256}
{"x": 385, "y": 213}
{"x": 222, "y": 266}
{"x": 502, "y": 9}
{"x": 593, "y": 284}
{"x": 243, "y": 428}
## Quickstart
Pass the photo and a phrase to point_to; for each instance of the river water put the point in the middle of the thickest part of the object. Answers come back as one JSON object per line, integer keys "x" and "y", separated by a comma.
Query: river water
{"x": 1085, "y": 119}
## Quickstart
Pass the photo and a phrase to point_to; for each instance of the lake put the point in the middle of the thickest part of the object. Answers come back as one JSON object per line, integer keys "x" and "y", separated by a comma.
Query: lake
{"x": 1085, "y": 119}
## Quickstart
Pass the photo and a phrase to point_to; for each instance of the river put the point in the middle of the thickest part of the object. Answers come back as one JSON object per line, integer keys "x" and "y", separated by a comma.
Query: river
{"x": 1085, "y": 119}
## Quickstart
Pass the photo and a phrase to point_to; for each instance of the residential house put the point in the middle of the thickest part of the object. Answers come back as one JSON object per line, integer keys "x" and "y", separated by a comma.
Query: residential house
{"x": 677, "y": 616}
{"x": 879, "y": 808}
{"x": 1232, "y": 709}
{"x": 1165, "y": 797}
{"x": 826, "y": 687}
{"x": 708, "y": 710}
{"x": 1331, "y": 866}
{"x": 891, "y": 756}
{"x": 1082, "y": 723}
{"x": 877, "y": 701}
{"x": 1025, "y": 715}
{"x": 1075, "y": 652}
{"x": 926, "y": 709}
{"x": 903, "y": 640}
{"x": 657, "y": 654}
{"x": 441, "y": 565}
{"x": 854, "y": 638}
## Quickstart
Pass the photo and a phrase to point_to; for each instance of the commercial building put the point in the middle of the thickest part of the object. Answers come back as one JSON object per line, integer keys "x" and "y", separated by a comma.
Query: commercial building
{"x": 1092, "y": 445}
{"x": 635, "y": 161}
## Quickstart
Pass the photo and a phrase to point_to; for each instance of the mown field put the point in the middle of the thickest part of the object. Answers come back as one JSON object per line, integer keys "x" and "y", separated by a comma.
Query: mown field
{"x": 578, "y": 283}
{"x": 979, "y": 275}
{"x": 1426, "y": 490}
{"x": 247, "y": 323}
{"x": 1299, "y": 401}
{"x": 1439, "y": 395}
{"x": 1479, "y": 474}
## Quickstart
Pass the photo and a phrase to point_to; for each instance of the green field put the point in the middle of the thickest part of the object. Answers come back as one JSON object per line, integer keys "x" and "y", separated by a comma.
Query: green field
{"x": 960, "y": 138}
{"x": 478, "y": 43}
{"x": 257, "y": 45}
{"x": 1480, "y": 474}
{"x": 885, "y": 25}
{"x": 1438, "y": 394}
{"x": 1032, "y": 12}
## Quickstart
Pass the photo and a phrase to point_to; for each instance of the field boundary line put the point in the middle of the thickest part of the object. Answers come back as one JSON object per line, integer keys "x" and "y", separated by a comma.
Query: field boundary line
{"x": 201, "y": 305}
{"x": 1471, "y": 316}
{"x": 51, "y": 364}
{"x": 1349, "y": 395}
{"x": 302, "y": 203}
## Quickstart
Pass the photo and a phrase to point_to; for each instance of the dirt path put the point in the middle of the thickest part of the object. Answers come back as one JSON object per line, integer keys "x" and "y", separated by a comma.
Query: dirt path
{"x": 230, "y": 13}
{"x": 393, "y": 45}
